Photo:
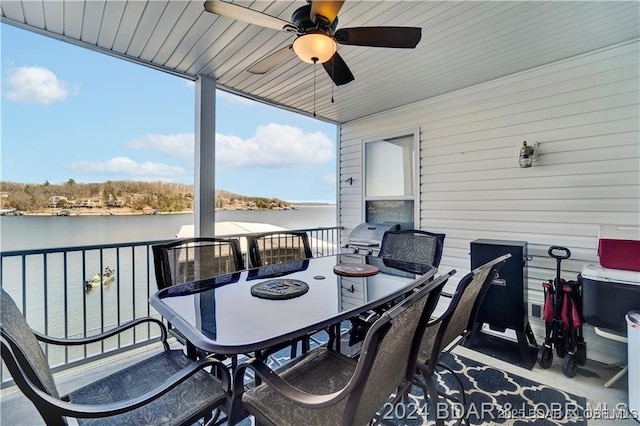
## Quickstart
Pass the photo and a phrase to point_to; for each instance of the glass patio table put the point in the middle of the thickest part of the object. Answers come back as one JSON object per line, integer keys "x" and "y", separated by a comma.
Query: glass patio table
{"x": 258, "y": 309}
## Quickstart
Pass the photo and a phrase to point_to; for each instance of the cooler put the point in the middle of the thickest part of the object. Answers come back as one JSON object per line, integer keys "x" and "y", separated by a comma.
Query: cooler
{"x": 619, "y": 247}
{"x": 607, "y": 296}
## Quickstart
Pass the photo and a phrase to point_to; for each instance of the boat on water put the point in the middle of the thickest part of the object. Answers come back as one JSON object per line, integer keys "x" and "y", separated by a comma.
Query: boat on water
{"x": 10, "y": 212}
{"x": 106, "y": 278}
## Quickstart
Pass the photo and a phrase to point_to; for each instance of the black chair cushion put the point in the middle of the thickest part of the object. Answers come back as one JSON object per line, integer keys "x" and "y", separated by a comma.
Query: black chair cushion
{"x": 319, "y": 372}
{"x": 178, "y": 405}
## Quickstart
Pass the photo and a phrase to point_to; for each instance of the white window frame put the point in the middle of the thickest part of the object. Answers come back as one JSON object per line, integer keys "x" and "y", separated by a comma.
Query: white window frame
{"x": 415, "y": 133}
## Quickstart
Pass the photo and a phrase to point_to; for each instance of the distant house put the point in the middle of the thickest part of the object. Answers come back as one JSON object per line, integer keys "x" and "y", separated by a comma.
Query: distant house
{"x": 88, "y": 203}
{"x": 55, "y": 200}
{"x": 115, "y": 203}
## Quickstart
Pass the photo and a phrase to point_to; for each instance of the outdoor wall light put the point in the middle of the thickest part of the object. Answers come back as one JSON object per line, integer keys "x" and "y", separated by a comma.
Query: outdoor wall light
{"x": 528, "y": 154}
{"x": 315, "y": 47}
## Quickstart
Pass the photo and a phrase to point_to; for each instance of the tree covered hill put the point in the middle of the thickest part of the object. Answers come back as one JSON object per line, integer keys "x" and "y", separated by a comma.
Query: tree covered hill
{"x": 137, "y": 196}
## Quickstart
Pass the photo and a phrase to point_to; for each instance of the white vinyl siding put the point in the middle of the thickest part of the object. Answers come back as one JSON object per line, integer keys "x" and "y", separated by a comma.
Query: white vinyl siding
{"x": 583, "y": 112}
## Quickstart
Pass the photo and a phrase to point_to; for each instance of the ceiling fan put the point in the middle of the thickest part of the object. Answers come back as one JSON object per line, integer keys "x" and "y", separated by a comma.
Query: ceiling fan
{"x": 317, "y": 36}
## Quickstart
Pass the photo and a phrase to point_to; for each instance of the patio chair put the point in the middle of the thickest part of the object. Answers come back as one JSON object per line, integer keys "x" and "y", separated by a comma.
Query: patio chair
{"x": 325, "y": 387}
{"x": 166, "y": 388}
{"x": 195, "y": 259}
{"x": 448, "y": 330}
{"x": 406, "y": 250}
{"x": 278, "y": 247}
{"x": 413, "y": 246}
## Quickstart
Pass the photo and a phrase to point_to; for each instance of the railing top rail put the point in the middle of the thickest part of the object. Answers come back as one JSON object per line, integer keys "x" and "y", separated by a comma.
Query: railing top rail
{"x": 78, "y": 248}
{"x": 131, "y": 244}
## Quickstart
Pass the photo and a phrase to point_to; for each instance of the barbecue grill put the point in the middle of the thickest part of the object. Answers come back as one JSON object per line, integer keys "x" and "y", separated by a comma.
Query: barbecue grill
{"x": 366, "y": 238}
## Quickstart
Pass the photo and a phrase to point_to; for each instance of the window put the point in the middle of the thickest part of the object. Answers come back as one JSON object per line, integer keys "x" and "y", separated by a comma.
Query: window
{"x": 390, "y": 180}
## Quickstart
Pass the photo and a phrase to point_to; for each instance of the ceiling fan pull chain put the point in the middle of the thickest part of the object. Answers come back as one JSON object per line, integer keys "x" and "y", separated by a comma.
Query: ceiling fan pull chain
{"x": 332, "y": 74}
{"x": 315, "y": 63}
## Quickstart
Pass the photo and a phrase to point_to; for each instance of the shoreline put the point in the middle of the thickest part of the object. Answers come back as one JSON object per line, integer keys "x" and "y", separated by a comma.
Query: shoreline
{"x": 129, "y": 212}
{"x": 74, "y": 213}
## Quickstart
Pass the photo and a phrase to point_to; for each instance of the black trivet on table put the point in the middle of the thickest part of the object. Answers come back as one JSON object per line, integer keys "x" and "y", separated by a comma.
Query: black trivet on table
{"x": 279, "y": 289}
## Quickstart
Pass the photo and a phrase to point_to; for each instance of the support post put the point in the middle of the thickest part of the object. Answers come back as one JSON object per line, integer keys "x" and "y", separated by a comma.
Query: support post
{"x": 205, "y": 156}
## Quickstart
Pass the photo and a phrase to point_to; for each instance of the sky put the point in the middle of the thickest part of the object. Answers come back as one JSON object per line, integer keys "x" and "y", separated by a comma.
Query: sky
{"x": 71, "y": 113}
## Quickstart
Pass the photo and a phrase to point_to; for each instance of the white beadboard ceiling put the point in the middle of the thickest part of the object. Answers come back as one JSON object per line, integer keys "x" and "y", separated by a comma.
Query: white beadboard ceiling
{"x": 463, "y": 43}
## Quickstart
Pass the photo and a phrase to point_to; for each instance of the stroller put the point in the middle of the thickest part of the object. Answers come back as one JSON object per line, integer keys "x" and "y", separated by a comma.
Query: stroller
{"x": 562, "y": 314}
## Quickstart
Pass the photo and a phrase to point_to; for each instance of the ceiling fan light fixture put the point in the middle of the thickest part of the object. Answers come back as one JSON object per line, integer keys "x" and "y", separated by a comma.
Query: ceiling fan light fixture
{"x": 315, "y": 47}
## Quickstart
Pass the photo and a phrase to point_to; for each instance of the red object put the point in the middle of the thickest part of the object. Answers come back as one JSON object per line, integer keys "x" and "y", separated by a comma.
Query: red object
{"x": 619, "y": 254}
{"x": 570, "y": 315}
{"x": 548, "y": 313}
{"x": 575, "y": 315}
{"x": 566, "y": 308}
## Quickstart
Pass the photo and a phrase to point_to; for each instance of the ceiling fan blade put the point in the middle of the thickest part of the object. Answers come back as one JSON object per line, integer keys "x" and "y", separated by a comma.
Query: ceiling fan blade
{"x": 338, "y": 70}
{"x": 272, "y": 60}
{"x": 327, "y": 8}
{"x": 399, "y": 37}
{"x": 247, "y": 15}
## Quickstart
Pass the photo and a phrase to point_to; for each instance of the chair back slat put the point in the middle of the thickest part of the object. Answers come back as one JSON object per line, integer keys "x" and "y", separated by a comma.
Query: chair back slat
{"x": 413, "y": 246}
{"x": 195, "y": 259}
{"x": 25, "y": 346}
{"x": 278, "y": 247}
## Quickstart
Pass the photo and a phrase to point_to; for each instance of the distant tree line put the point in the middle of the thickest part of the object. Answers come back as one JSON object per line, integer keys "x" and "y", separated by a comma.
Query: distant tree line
{"x": 160, "y": 196}
{"x": 226, "y": 198}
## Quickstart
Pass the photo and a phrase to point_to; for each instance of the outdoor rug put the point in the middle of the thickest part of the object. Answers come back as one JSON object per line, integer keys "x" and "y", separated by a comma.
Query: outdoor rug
{"x": 493, "y": 397}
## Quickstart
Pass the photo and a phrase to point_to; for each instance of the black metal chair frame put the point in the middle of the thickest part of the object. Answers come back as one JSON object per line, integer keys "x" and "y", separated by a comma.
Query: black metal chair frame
{"x": 28, "y": 375}
{"x": 447, "y": 339}
{"x": 254, "y": 249}
{"x": 162, "y": 267}
{"x": 356, "y": 388}
{"x": 161, "y": 258}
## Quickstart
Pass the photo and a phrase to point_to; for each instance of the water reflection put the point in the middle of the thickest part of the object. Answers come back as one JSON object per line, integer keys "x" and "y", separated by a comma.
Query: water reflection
{"x": 277, "y": 270}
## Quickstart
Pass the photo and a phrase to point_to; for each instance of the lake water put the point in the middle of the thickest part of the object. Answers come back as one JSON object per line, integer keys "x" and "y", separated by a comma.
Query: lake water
{"x": 34, "y": 232}
{"x": 59, "y": 305}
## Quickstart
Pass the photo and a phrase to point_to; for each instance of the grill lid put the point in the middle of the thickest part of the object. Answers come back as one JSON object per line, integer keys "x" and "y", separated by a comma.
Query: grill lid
{"x": 370, "y": 234}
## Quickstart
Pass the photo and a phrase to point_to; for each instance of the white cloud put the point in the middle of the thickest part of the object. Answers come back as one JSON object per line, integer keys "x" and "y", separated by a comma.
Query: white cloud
{"x": 275, "y": 146}
{"x": 35, "y": 85}
{"x": 128, "y": 167}
{"x": 181, "y": 145}
{"x": 272, "y": 146}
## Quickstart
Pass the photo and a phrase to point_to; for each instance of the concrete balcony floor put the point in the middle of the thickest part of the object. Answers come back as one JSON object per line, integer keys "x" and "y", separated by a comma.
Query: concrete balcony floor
{"x": 16, "y": 410}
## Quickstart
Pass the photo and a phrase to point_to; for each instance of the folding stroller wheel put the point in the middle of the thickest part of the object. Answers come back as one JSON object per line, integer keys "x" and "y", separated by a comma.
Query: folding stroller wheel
{"x": 569, "y": 366}
{"x": 545, "y": 356}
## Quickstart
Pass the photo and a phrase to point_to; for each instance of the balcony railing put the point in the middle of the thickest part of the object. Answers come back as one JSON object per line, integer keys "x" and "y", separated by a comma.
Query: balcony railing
{"x": 50, "y": 287}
